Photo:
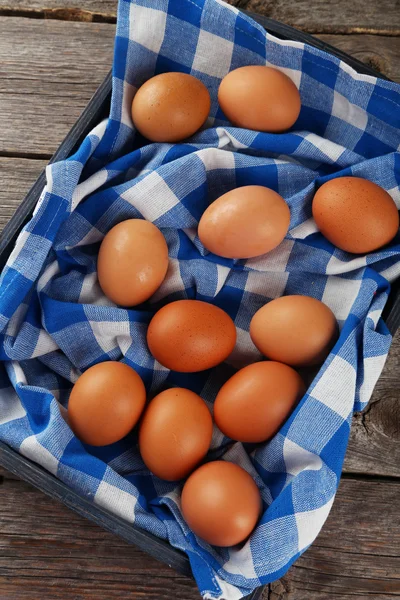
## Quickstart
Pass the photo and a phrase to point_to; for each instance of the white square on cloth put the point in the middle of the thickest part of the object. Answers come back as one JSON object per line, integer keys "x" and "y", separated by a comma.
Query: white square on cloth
{"x": 107, "y": 333}
{"x": 11, "y": 407}
{"x": 118, "y": 501}
{"x": 208, "y": 46}
{"x": 345, "y": 110}
{"x": 329, "y": 148}
{"x": 373, "y": 366}
{"x": 309, "y": 524}
{"x": 241, "y": 562}
{"x": 32, "y": 449}
{"x": 152, "y": 196}
{"x": 148, "y": 26}
{"x": 298, "y": 459}
{"x": 336, "y": 388}
{"x": 340, "y": 295}
{"x": 215, "y": 158}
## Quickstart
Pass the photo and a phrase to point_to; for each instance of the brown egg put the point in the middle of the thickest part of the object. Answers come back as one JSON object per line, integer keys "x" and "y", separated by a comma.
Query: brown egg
{"x": 132, "y": 262}
{"x": 221, "y": 503}
{"x": 106, "y": 403}
{"x": 256, "y": 401}
{"x": 355, "y": 214}
{"x": 170, "y": 107}
{"x": 296, "y": 330}
{"x": 245, "y": 222}
{"x": 175, "y": 433}
{"x": 259, "y": 98}
{"x": 191, "y": 335}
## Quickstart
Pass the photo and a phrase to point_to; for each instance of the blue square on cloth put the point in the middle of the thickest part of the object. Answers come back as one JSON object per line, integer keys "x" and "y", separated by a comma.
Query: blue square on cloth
{"x": 55, "y": 321}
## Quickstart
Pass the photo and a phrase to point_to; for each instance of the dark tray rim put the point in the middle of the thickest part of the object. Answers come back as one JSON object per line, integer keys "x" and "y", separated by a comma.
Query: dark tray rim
{"x": 35, "y": 474}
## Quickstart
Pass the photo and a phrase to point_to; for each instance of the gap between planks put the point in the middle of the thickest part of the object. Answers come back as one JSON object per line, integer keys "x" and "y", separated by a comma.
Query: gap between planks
{"x": 312, "y": 16}
{"x": 59, "y": 14}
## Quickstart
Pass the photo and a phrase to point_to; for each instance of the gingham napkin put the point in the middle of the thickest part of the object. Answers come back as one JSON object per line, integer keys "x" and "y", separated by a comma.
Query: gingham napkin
{"x": 55, "y": 322}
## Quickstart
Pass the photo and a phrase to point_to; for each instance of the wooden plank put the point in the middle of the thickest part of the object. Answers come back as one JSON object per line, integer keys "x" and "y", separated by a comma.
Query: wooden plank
{"x": 319, "y": 16}
{"x": 357, "y": 554}
{"x": 49, "y": 71}
{"x": 68, "y": 10}
{"x": 379, "y": 52}
{"x": 374, "y": 446}
{"x": 49, "y": 552}
{"x": 314, "y": 16}
{"x": 17, "y": 175}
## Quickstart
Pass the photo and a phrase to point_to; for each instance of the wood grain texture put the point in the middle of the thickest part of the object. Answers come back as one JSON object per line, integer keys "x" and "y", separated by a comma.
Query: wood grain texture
{"x": 319, "y": 16}
{"x": 65, "y": 10}
{"x": 374, "y": 446}
{"x": 48, "y": 551}
{"x": 379, "y": 52}
{"x": 17, "y": 175}
{"x": 49, "y": 71}
{"x": 6, "y": 475}
{"x": 314, "y": 16}
{"x": 356, "y": 556}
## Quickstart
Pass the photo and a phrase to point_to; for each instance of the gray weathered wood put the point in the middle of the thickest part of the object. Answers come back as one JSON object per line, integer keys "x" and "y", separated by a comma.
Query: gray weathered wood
{"x": 357, "y": 554}
{"x": 319, "y": 16}
{"x": 75, "y": 10}
{"x": 314, "y": 16}
{"x": 379, "y": 52}
{"x": 374, "y": 446}
{"x": 6, "y": 475}
{"x": 48, "y": 551}
{"x": 17, "y": 175}
{"x": 50, "y": 69}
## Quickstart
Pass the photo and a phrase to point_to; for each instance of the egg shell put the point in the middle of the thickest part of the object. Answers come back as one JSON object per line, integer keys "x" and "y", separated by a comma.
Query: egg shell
{"x": 175, "y": 433}
{"x": 245, "y": 222}
{"x": 259, "y": 98}
{"x": 106, "y": 403}
{"x": 221, "y": 503}
{"x": 132, "y": 262}
{"x": 297, "y": 330}
{"x": 191, "y": 335}
{"x": 255, "y": 402}
{"x": 170, "y": 107}
{"x": 355, "y": 214}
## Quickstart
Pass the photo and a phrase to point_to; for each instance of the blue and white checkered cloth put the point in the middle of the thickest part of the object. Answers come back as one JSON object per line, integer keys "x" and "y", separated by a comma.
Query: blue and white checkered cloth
{"x": 55, "y": 322}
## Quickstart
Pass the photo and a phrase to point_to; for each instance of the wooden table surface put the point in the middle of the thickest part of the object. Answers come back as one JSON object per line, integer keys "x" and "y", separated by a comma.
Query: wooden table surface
{"x": 53, "y": 55}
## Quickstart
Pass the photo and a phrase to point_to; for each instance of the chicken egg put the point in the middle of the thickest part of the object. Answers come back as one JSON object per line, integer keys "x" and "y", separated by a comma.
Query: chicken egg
{"x": 260, "y": 98}
{"x": 175, "y": 433}
{"x": 247, "y": 221}
{"x": 191, "y": 335}
{"x": 296, "y": 330}
{"x": 132, "y": 262}
{"x": 355, "y": 214}
{"x": 253, "y": 404}
{"x": 106, "y": 403}
{"x": 170, "y": 107}
{"x": 221, "y": 503}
